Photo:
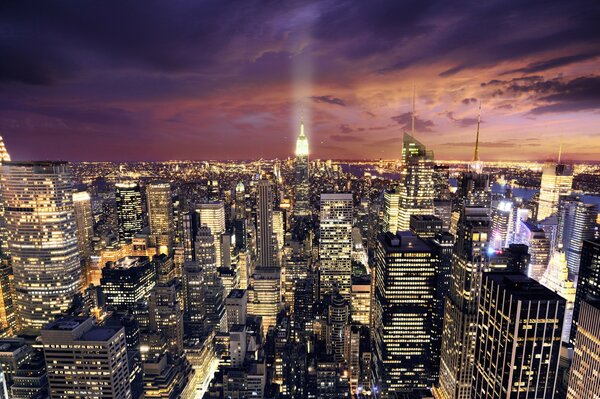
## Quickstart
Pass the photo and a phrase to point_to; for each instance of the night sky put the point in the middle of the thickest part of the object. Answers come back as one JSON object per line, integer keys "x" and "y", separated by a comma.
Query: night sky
{"x": 160, "y": 80}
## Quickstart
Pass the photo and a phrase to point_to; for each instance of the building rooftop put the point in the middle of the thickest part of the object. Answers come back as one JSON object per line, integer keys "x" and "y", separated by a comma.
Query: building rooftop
{"x": 236, "y": 293}
{"x": 403, "y": 241}
{"x": 522, "y": 287}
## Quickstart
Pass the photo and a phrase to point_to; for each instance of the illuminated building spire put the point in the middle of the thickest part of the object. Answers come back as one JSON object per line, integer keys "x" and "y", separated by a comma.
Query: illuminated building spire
{"x": 4, "y": 155}
{"x": 559, "y": 154}
{"x": 302, "y": 142}
{"x": 476, "y": 165}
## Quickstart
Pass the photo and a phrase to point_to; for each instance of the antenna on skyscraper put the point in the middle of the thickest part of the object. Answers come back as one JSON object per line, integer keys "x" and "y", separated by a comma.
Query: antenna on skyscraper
{"x": 476, "y": 154}
{"x": 412, "y": 117}
{"x": 559, "y": 153}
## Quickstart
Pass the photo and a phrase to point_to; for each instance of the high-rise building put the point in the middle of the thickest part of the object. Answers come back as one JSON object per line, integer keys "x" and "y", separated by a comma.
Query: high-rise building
{"x": 240, "y": 201}
{"x": 84, "y": 220}
{"x": 518, "y": 347}
{"x": 236, "y": 305}
{"x": 360, "y": 300}
{"x": 159, "y": 201}
{"x": 265, "y": 295}
{"x": 583, "y": 375}
{"x": 194, "y": 290}
{"x": 335, "y": 243}
{"x": 127, "y": 281}
{"x": 403, "y": 312}
{"x": 338, "y": 317}
{"x": 502, "y": 225}
{"x": 539, "y": 249}
{"x": 302, "y": 176}
{"x": 557, "y": 180}
{"x": 576, "y": 223}
{"x": 129, "y": 209}
{"x": 425, "y": 226}
{"x": 391, "y": 202}
{"x": 266, "y": 238}
{"x": 86, "y": 361}
{"x": 42, "y": 239}
{"x": 212, "y": 215}
{"x": 460, "y": 310}
{"x": 556, "y": 278}
{"x": 4, "y": 155}
{"x": 166, "y": 315}
{"x": 416, "y": 184}
{"x": 8, "y": 320}
{"x": 588, "y": 283}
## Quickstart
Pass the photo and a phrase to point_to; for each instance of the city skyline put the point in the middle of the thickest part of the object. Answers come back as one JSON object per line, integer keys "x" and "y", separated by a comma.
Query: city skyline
{"x": 193, "y": 81}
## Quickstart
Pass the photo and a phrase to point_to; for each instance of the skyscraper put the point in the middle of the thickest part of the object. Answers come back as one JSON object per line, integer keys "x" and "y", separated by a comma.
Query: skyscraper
{"x": 212, "y": 215}
{"x": 403, "y": 312}
{"x": 577, "y": 222}
{"x": 557, "y": 180}
{"x": 127, "y": 281}
{"x": 160, "y": 215}
{"x": 391, "y": 201}
{"x": 539, "y": 249}
{"x": 518, "y": 347}
{"x": 265, "y": 295}
{"x": 266, "y": 239}
{"x": 42, "y": 239}
{"x": 460, "y": 310}
{"x": 583, "y": 375}
{"x": 335, "y": 243}
{"x": 4, "y": 155}
{"x": 588, "y": 283}
{"x": 86, "y": 361}
{"x": 84, "y": 221}
{"x": 416, "y": 183}
{"x": 129, "y": 209}
{"x": 302, "y": 175}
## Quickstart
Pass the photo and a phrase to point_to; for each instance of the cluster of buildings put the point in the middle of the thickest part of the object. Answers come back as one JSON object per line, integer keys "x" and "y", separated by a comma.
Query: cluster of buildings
{"x": 297, "y": 280}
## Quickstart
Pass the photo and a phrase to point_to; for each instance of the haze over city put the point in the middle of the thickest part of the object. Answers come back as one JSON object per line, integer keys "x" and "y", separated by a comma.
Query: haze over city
{"x": 83, "y": 81}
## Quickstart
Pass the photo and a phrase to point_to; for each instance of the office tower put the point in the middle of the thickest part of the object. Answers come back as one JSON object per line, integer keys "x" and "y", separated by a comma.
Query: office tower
{"x": 460, "y": 309}
{"x": 42, "y": 239}
{"x": 588, "y": 282}
{"x": 194, "y": 290}
{"x": 166, "y": 315}
{"x": 335, "y": 244}
{"x": 86, "y": 361}
{"x": 240, "y": 201}
{"x": 416, "y": 182}
{"x": 474, "y": 189}
{"x": 127, "y": 281}
{"x": 403, "y": 312}
{"x": 443, "y": 210}
{"x": 30, "y": 380}
{"x": 302, "y": 176}
{"x": 236, "y": 306}
{"x": 265, "y": 295}
{"x": 226, "y": 249}
{"x": 304, "y": 299}
{"x": 266, "y": 239}
{"x": 556, "y": 278}
{"x": 441, "y": 182}
{"x": 240, "y": 227}
{"x": 391, "y": 202}
{"x": 518, "y": 346}
{"x": 295, "y": 267}
{"x": 360, "y": 300}
{"x": 583, "y": 375}
{"x": 214, "y": 301}
{"x": 212, "y": 215}
{"x": 425, "y": 226}
{"x": 576, "y": 223}
{"x": 279, "y": 229}
{"x": 159, "y": 201}
{"x": 4, "y": 157}
{"x": 502, "y": 225}
{"x": 352, "y": 341}
{"x": 539, "y": 249}
{"x": 338, "y": 316}
{"x": 8, "y": 320}
{"x": 557, "y": 180}
{"x": 129, "y": 209}
{"x": 84, "y": 221}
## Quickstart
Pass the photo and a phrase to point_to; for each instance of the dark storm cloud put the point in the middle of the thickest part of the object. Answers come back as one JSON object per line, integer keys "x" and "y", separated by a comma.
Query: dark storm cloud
{"x": 554, "y": 95}
{"x": 540, "y": 66}
{"x": 421, "y": 125}
{"x": 329, "y": 100}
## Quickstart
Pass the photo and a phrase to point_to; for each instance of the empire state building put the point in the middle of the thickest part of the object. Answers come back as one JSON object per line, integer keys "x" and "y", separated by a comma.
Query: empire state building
{"x": 302, "y": 194}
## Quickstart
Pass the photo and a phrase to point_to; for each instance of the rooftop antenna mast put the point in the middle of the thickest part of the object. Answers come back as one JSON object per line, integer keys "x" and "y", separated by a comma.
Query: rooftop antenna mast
{"x": 412, "y": 117}
{"x": 476, "y": 154}
{"x": 559, "y": 153}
